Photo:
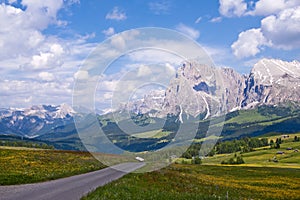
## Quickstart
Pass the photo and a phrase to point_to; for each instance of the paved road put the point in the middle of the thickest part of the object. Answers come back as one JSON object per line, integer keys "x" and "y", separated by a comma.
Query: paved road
{"x": 67, "y": 188}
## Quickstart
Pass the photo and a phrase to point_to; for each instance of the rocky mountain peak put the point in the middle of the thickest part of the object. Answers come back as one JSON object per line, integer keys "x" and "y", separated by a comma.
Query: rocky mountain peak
{"x": 272, "y": 81}
{"x": 196, "y": 89}
{"x": 269, "y": 71}
{"x": 201, "y": 89}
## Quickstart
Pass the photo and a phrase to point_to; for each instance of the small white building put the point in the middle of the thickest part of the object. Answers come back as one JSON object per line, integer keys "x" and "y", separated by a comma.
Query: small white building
{"x": 140, "y": 159}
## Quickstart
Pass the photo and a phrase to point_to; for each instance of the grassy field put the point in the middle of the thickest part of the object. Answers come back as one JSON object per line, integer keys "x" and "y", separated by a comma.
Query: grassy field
{"x": 262, "y": 157}
{"x": 259, "y": 178}
{"x": 205, "y": 182}
{"x": 250, "y": 116}
{"x": 21, "y": 165}
{"x": 152, "y": 134}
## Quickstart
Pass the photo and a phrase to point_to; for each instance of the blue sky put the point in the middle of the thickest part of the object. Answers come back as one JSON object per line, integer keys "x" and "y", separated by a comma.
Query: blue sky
{"x": 44, "y": 43}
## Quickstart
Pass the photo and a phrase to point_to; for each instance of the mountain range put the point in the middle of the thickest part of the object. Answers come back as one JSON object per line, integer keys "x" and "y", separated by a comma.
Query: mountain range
{"x": 34, "y": 121}
{"x": 201, "y": 89}
{"x": 197, "y": 90}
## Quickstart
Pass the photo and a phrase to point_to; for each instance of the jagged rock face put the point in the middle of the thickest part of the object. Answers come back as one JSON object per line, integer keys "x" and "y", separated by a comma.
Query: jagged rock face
{"x": 151, "y": 103}
{"x": 196, "y": 89}
{"x": 199, "y": 89}
{"x": 234, "y": 84}
{"x": 203, "y": 89}
{"x": 272, "y": 82}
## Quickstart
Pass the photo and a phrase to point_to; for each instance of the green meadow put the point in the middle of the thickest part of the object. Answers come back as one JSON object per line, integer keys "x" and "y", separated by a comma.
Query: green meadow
{"x": 23, "y": 165}
{"x": 205, "y": 182}
{"x": 259, "y": 178}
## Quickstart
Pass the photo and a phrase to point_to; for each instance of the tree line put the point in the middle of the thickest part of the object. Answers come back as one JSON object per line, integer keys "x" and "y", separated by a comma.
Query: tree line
{"x": 243, "y": 145}
{"x": 25, "y": 144}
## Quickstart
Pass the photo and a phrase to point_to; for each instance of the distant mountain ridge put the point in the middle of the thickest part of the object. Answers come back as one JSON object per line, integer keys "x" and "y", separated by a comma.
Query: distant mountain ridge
{"x": 32, "y": 122}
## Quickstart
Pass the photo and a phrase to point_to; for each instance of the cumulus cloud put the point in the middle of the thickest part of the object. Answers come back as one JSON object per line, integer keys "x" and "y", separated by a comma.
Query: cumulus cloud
{"x": 231, "y": 8}
{"x": 37, "y": 68}
{"x": 109, "y": 32}
{"x": 48, "y": 59}
{"x": 119, "y": 41}
{"x": 268, "y": 7}
{"x": 81, "y": 75}
{"x": 248, "y": 43}
{"x": 46, "y": 76}
{"x": 283, "y": 30}
{"x": 22, "y": 93}
{"x": 116, "y": 14}
{"x": 21, "y": 30}
{"x": 238, "y": 8}
{"x": 107, "y": 85}
{"x": 278, "y": 31}
{"x": 193, "y": 33}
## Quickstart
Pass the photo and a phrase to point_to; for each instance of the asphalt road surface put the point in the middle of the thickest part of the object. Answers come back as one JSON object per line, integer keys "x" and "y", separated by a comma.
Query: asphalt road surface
{"x": 67, "y": 188}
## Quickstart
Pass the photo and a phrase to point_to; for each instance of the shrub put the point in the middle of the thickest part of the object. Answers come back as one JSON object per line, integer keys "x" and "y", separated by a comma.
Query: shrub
{"x": 197, "y": 161}
{"x": 236, "y": 160}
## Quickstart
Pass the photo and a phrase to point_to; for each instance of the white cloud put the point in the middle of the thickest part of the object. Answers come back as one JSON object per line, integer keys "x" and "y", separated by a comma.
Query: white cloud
{"x": 268, "y": 7}
{"x": 283, "y": 30}
{"x": 107, "y": 85}
{"x": 41, "y": 13}
{"x": 19, "y": 93}
{"x": 21, "y": 30}
{"x": 216, "y": 19}
{"x": 81, "y": 75}
{"x": 280, "y": 31}
{"x": 198, "y": 20}
{"x": 238, "y": 8}
{"x": 27, "y": 54}
{"x": 119, "y": 41}
{"x": 231, "y": 8}
{"x": 116, "y": 14}
{"x": 49, "y": 59}
{"x": 160, "y": 7}
{"x": 46, "y": 76}
{"x": 248, "y": 43}
{"x": 109, "y": 32}
{"x": 193, "y": 33}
